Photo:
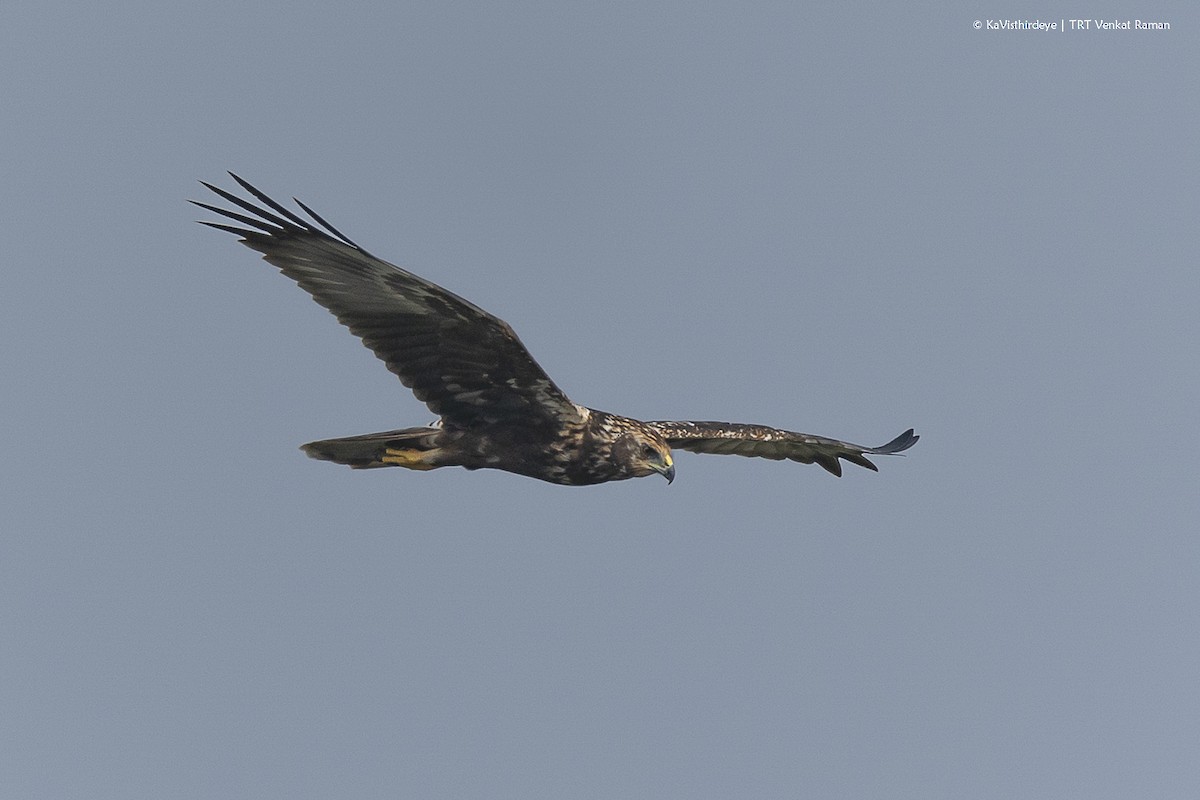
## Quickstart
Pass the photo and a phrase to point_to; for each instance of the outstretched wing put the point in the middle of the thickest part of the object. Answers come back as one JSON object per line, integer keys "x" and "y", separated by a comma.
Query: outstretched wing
{"x": 763, "y": 442}
{"x": 468, "y": 366}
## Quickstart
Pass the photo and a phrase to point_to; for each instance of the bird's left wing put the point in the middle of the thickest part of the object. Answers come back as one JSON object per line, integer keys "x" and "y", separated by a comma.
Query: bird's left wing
{"x": 763, "y": 442}
{"x": 465, "y": 364}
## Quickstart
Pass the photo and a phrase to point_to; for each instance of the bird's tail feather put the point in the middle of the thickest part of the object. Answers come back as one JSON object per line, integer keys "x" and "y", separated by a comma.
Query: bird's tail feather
{"x": 413, "y": 448}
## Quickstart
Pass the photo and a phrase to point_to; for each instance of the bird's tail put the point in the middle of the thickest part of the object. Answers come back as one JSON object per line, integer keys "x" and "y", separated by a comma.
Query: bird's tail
{"x": 414, "y": 448}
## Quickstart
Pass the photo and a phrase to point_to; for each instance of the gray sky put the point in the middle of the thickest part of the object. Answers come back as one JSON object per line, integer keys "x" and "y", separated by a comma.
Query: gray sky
{"x": 839, "y": 221}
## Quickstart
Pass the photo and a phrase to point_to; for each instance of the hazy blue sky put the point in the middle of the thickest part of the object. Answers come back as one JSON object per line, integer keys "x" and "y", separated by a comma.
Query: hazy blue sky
{"x": 845, "y": 221}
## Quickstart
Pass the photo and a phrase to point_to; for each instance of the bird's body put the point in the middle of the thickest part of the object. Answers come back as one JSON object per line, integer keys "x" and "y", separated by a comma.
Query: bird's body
{"x": 582, "y": 453}
{"x": 498, "y": 409}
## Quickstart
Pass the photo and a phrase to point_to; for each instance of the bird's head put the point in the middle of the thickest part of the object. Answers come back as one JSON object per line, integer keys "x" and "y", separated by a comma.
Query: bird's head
{"x": 643, "y": 452}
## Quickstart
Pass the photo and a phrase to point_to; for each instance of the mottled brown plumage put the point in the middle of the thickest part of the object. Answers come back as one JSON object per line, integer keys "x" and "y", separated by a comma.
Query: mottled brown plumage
{"x": 497, "y": 408}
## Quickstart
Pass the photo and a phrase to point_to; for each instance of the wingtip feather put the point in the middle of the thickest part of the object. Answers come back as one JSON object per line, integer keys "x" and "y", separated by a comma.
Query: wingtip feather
{"x": 897, "y": 445}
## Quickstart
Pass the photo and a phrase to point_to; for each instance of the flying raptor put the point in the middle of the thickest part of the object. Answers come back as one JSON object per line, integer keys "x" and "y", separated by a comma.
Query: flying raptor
{"x": 498, "y": 409}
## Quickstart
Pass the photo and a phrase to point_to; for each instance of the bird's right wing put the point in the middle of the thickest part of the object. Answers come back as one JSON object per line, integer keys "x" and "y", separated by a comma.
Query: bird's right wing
{"x": 465, "y": 364}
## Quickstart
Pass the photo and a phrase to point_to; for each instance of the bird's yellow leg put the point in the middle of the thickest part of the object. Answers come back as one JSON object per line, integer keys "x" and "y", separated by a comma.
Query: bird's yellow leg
{"x": 409, "y": 459}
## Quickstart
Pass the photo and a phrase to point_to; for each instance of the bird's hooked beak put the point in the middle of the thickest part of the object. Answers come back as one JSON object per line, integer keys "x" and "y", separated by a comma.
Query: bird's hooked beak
{"x": 666, "y": 469}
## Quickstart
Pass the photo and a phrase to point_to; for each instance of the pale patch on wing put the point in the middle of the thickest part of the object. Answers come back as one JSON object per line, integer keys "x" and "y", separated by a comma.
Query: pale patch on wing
{"x": 475, "y": 398}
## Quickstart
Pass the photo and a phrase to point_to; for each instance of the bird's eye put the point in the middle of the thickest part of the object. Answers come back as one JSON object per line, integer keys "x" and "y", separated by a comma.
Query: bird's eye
{"x": 648, "y": 451}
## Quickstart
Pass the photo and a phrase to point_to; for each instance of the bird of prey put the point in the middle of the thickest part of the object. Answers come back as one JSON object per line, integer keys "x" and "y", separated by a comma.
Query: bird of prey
{"x": 498, "y": 409}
